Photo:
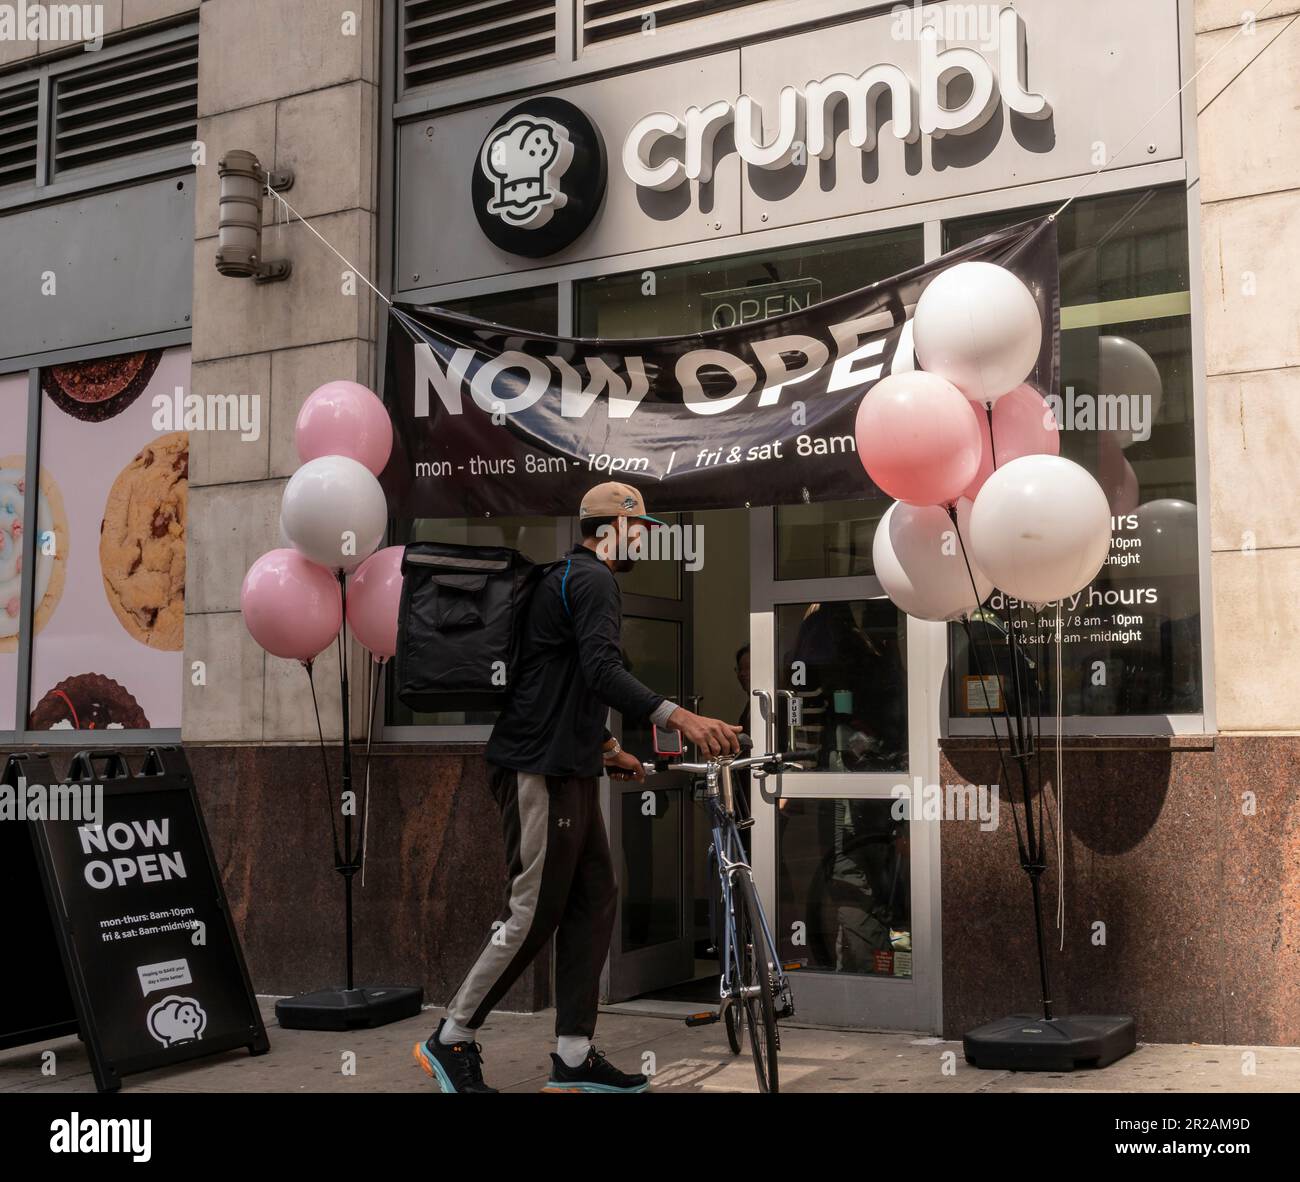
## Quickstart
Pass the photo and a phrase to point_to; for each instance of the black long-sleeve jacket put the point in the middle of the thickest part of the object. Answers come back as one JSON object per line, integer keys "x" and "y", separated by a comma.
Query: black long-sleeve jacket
{"x": 569, "y": 673}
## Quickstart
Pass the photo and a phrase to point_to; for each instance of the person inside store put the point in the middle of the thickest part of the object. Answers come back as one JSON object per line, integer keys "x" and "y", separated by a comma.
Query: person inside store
{"x": 546, "y": 755}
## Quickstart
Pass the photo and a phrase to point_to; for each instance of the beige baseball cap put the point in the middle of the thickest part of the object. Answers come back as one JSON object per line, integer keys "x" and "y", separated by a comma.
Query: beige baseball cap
{"x": 613, "y": 499}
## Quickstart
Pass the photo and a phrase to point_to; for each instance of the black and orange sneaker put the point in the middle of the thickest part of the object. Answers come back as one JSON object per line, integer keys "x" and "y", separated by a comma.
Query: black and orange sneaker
{"x": 457, "y": 1066}
{"x": 594, "y": 1074}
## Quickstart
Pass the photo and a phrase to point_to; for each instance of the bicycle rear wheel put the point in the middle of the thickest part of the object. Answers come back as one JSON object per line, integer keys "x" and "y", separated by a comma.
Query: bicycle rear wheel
{"x": 755, "y": 974}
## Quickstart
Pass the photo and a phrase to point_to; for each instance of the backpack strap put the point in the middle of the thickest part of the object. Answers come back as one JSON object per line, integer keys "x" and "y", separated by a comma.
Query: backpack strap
{"x": 564, "y": 589}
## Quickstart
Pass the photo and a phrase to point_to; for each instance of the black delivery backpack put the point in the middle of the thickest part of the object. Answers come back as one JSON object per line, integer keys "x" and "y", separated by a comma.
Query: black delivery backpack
{"x": 459, "y": 623}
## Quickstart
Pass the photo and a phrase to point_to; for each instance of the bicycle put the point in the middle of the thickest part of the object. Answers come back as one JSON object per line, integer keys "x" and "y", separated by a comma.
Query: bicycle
{"x": 752, "y": 987}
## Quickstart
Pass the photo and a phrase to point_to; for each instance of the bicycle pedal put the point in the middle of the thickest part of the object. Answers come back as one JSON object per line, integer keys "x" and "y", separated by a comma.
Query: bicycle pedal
{"x": 747, "y": 823}
{"x": 705, "y": 1019}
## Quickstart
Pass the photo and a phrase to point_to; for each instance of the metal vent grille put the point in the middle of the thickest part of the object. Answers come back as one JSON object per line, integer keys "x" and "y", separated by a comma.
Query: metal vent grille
{"x": 19, "y": 107}
{"x": 448, "y": 38}
{"x": 604, "y": 20}
{"x": 140, "y": 102}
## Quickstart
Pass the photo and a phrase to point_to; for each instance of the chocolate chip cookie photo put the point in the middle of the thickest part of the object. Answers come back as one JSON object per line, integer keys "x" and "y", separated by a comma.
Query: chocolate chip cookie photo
{"x": 94, "y": 391}
{"x": 88, "y": 702}
{"x": 142, "y": 543}
{"x": 51, "y": 568}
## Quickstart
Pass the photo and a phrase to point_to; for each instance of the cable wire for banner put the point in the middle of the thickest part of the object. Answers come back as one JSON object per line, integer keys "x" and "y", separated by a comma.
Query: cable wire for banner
{"x": 289, "y": 209}
{"x": 1177, "y": 93}
{"x": 325, "y": 762}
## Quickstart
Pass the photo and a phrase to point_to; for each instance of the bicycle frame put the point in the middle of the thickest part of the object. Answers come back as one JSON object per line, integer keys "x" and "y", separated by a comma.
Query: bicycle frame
{"x": 730, "y": 853}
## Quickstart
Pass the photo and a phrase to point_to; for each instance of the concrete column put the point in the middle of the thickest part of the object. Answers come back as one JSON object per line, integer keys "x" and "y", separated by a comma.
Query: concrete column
{"x": 295, "y": 82}
{"x": 1248, "y": 128}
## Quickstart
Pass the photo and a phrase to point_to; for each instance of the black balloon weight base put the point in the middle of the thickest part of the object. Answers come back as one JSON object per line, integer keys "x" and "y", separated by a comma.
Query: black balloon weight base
{"x": 1024, "y": 1042}
{"x": 365, "y": 1007}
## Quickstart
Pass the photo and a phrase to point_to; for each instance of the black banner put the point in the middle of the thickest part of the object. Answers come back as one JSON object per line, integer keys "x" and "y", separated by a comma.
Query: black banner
{"x": 494, "y": 420}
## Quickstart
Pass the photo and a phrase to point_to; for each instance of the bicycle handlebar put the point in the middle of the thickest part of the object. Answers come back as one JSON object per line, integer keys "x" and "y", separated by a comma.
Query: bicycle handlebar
{"x": 772, "y": 763}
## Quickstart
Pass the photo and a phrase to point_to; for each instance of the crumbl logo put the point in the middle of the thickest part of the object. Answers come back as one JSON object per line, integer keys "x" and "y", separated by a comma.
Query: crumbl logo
{"x": 957, "y": 93}
{"x": 88, "y": 1134}
{"x": 53, "y": 22}
{"x": 525, "y": 161}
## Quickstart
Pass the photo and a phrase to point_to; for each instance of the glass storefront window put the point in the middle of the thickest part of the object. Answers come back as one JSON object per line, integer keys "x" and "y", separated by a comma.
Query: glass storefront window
{"x": 847, "y": 662}
{"x": 534, "y": 309}
{"x": 829, "y": 541}
{"x": 813, "y": 541}
{"x": 696, "y": 297}
{"x": 1131, "y": 641}
{"x": 844, "y": 889}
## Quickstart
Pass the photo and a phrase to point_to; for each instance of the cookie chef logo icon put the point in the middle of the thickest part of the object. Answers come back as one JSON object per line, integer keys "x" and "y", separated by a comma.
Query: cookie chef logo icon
{"x": 526, "y": 160}
{"x": 539, "y": 178}
{"x": 176, "y": 1019}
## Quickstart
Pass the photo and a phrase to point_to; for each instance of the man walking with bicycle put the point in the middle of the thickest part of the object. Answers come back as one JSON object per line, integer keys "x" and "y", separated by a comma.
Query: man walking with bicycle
{"x": 546, "y": 754}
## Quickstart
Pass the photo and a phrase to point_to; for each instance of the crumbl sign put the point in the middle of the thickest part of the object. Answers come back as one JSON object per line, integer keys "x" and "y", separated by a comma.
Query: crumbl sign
{"x": 955, "y": 91}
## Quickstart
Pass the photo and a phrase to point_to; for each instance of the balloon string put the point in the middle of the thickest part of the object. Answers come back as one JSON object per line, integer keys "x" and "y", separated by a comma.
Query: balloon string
{"x": 979, "y": 672}
{"x": 376, "y": 668}
{"x": 1060, "y": 787}
{"x": 320, "y": 732}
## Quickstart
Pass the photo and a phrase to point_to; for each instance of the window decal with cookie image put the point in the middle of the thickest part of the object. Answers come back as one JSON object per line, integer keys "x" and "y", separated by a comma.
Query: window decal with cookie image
{"x": 112, "y": 655}
{"x": 51, "y": 549}
{"x": 142, "y": 543}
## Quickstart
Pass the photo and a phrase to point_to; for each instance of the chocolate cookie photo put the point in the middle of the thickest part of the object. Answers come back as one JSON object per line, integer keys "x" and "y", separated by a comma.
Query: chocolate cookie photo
{"x": 88, "y": 702}
{"x": 94, "y": 391}
{"x": 142, "y": 543}
{"x": 51, "y": 568}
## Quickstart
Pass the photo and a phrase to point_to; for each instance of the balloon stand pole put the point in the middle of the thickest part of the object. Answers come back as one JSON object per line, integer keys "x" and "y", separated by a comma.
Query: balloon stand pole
{"x": 1030, "y": 1042}
{"x": 349, "y": 1006}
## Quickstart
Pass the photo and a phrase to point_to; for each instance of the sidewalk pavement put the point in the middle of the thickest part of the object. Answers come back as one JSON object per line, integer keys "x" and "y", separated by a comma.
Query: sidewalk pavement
{"x": 697, "y": 1060}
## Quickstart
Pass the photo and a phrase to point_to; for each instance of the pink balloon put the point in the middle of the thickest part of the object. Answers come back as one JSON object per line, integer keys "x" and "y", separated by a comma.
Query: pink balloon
{"x": 918, "y": 438}
{"x": 374, "y": 596}
{"x": 291, "y": 606}
{"x": 344, "y": 419}
{"x": 1023, "y": 425}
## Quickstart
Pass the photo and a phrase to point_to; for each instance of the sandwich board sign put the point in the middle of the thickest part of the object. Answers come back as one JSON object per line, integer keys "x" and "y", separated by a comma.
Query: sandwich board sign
{"x": 150, "y": 960}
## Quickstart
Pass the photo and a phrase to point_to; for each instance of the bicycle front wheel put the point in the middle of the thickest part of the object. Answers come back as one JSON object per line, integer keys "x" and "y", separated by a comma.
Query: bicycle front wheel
{"x": 755, "y": 973}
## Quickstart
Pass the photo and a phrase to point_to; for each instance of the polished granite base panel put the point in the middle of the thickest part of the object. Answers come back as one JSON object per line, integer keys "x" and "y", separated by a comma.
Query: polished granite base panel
{"x": 1182, "y": 891}
{"x": 1186, "y": 850}
{"x": 434, "y": 878}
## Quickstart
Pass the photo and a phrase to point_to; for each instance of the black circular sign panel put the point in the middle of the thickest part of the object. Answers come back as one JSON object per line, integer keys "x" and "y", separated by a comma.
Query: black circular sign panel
{"x": 539, "y": 177}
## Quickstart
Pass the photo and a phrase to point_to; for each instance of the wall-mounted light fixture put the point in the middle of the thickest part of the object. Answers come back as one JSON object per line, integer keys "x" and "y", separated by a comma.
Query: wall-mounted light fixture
{"x": 239, "y": 243}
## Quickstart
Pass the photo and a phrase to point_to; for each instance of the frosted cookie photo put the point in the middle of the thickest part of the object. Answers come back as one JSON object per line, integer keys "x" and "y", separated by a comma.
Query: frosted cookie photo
{"x": 51, "y": 568}
{"x": 142, "y": 543}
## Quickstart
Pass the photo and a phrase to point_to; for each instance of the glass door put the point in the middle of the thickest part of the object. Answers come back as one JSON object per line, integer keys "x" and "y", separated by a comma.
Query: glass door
{"x": 650, "y": 824}
{"x": 846, "y": 873}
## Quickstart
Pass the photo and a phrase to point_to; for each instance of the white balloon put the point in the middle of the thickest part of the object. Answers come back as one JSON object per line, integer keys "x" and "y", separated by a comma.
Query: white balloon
{"x": 905, "y": 354}
{"x": 919, "y": 561}
{"x": 1040, "y": 528}
{"x": 334, "y": 512}
{"x": 1126, "y": 370}
{"x": 978, "y": 326}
